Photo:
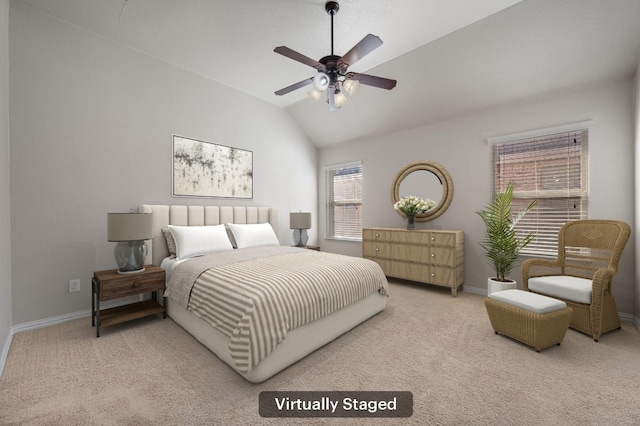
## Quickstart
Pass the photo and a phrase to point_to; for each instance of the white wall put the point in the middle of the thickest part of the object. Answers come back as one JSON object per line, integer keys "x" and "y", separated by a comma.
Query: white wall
{"x": 91, "y": 125}
{"x": 5, "y": 205}
{"x": 92, "y": 122}
{"x": 460, "y": 146}
{"x": 637, "y": 186}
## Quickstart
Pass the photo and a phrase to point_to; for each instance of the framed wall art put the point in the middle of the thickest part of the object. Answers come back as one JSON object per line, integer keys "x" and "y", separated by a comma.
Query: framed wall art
{"x": 205, "y": 169}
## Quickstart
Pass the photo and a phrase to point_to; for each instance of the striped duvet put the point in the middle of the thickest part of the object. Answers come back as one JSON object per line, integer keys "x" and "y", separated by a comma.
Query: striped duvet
{"x": 256, "y": 299}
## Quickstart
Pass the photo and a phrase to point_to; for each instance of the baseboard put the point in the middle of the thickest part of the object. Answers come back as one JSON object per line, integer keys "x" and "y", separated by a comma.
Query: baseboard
{"x": 475, "y": 290}
{"x": 5, "y": 350}
{"x": 32, "y": 325}
{"x": 46, "y": 322}
{"x": 630, "y": 318}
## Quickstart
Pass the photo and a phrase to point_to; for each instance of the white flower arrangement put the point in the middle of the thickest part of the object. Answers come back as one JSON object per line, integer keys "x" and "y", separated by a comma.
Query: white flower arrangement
{"x": 412, "y": 205}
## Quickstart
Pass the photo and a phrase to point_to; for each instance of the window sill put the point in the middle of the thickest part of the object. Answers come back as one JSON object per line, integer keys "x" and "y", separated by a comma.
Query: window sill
{"x": 352, "y": 240}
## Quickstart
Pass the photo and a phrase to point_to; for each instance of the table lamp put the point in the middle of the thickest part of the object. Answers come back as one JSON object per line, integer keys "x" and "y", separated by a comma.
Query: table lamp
{"x": 130, "y": 230}
{"x": 300, "y": 222}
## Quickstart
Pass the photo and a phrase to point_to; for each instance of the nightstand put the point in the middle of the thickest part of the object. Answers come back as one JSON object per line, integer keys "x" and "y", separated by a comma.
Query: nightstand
{"x": 109, "y": 284}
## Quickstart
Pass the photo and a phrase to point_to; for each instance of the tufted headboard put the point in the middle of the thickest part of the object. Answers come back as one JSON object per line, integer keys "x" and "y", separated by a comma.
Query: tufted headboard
{"x": 164, "y": 215}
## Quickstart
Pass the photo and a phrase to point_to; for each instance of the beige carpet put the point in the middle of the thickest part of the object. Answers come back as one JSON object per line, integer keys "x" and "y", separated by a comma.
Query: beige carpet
{"x": 151, "y": 372}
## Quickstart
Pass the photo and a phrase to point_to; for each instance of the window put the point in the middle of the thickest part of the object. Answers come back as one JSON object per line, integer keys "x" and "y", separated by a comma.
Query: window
{"x": 551, "y": 169}
{"x": 344, "y": 201}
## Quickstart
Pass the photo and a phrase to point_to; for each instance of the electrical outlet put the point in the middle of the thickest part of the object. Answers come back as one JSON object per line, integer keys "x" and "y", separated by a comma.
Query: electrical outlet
{"x": 74, "y": 285}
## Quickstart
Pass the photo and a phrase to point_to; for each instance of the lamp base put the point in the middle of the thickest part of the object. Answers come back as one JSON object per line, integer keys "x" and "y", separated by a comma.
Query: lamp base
{"x": 130, "y": 256}
{"x": 132, "y": 272}
{"x": 300, "y": 237}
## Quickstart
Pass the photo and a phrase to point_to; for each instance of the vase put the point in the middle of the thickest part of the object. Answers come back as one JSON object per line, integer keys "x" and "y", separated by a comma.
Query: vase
{"x": 411, "y": 221}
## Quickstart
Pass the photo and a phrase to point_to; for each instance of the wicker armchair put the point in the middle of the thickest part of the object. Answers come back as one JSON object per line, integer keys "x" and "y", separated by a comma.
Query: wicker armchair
{"x": 588, "y": 255}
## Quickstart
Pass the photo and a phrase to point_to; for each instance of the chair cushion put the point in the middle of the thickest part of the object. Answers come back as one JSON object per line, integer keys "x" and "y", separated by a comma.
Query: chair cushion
{"x": 563, "y": 286}
{"x": 532, "y": 302}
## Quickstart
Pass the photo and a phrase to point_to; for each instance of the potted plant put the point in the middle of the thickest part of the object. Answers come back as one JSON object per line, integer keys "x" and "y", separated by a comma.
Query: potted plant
{"x": 501, "y": 242}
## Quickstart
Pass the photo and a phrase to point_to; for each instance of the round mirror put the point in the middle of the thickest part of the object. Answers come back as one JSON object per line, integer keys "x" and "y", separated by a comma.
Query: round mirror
{"x": 425, "y": 179}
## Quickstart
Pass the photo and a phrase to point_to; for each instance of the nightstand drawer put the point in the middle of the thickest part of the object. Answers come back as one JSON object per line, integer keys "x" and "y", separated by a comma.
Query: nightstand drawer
{"x": 124, "y": 285}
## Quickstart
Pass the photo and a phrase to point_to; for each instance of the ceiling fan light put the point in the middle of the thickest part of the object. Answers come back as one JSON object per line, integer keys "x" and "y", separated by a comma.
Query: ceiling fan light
{"x": 351, "y": 86}
{"x": 321, "y": 81}
{"x": 315, "y": 94}
{"x": 339, "y": 99}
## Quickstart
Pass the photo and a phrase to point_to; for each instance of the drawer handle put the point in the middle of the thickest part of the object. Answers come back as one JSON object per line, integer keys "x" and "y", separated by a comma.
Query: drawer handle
{"x": 433, "y": 238}
{"x": 135, "y": 283}
{"x": 377, "y": 235}
{"x": 433, "y": 275}
{"x": 377, "y": 249}
{"x": 433, "y": 255}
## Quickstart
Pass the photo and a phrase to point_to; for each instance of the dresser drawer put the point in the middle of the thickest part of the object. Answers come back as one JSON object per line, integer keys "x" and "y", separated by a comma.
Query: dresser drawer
{"x": 413, "y": 237}
{"x": 375, "y": 235}
{"x": 130, "y": 285}
{"x": 409, "y": 271}
{"x": 385, "y": 264}
{"x": 442, "y": 239}
{"x": 442, "y": 276}
{"x": 410, "y": 253}
{"x": 443, "y": 256}
{"x": 375, "y": 249}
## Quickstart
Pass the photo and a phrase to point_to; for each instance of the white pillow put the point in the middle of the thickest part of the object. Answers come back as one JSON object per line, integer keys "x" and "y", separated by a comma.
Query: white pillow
{"x": 253, "y": 235}
{"x": 194, "y": 241}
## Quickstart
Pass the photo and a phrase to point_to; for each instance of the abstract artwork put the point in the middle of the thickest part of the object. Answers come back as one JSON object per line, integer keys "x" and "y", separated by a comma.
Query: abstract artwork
{"x": 204, "y": 169}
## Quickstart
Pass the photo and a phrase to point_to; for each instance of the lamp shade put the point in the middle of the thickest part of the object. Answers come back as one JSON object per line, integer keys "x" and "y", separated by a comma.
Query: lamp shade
{"x": 300, "y": 220}
{"x": 321, "y": 81}
{"x": 351, "y": 86}
{"x": 129, "y": 226}
{"x": 339, "y": 98}
{"x": 315, "y": 94}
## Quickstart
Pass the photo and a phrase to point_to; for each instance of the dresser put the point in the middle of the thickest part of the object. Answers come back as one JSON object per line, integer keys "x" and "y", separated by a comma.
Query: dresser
{"x": 426, "y": 256}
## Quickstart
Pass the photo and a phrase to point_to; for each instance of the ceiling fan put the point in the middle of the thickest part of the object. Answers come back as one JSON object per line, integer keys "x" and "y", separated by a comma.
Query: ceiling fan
{"x": 333, "y": 75}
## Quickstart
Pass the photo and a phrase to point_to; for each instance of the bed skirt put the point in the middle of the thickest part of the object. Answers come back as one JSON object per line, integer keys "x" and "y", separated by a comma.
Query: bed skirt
{"x": 299, "y": 342}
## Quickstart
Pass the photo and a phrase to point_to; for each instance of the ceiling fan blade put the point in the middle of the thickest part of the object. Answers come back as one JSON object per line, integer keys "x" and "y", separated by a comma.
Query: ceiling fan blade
{"x": 372, "y": 80}
{"x": 295, "y": 86}
{"x": 292, "y": 54}
{"x": 365, "y": 46}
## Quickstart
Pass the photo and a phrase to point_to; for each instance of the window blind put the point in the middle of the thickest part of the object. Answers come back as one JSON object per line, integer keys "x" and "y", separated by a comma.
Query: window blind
{"x": 551, "y": 169}
{"x": 344, "y": 201}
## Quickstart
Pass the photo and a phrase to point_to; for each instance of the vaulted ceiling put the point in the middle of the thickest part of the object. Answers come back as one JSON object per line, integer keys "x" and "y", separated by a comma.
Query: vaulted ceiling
{"x": 450, "y": 57}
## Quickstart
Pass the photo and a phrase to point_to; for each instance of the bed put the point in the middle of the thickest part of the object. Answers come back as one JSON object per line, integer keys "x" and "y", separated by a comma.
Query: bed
{"x": 254, "y": 347}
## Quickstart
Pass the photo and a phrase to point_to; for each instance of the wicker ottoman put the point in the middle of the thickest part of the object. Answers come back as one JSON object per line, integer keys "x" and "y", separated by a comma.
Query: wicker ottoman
{"x": 530, "y": 318}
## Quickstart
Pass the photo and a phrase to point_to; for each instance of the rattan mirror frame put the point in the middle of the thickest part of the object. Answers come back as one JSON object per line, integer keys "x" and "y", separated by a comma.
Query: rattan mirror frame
{"x": 441, "y": 173}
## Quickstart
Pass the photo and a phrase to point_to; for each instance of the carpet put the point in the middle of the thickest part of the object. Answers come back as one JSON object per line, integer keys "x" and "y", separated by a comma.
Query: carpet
{"x": 440, "y": 348}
